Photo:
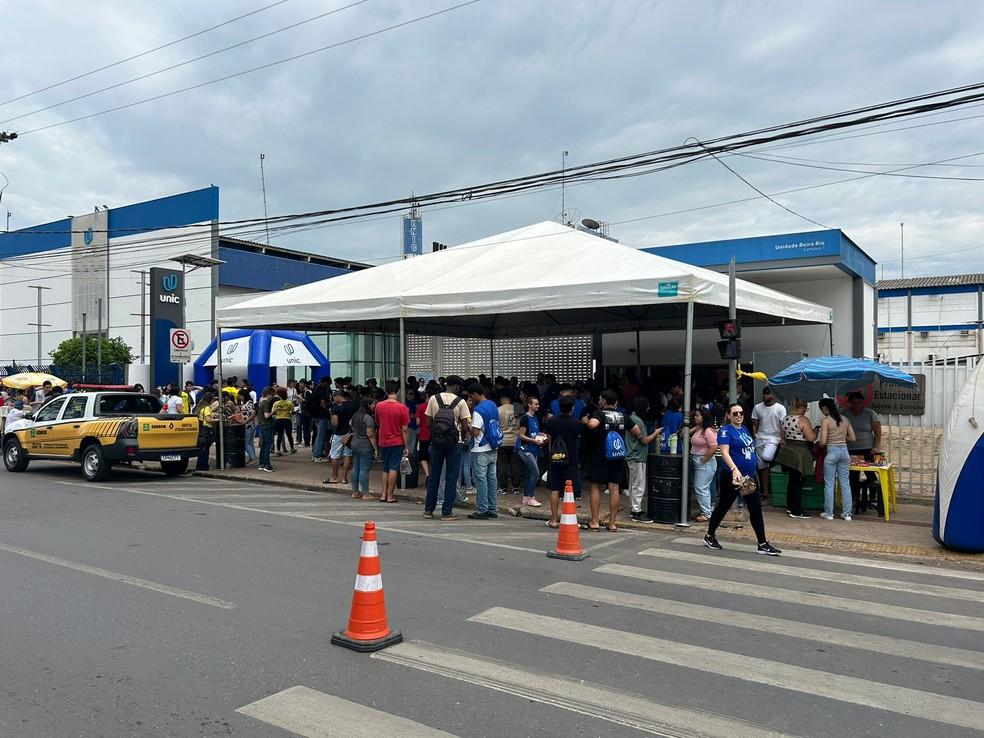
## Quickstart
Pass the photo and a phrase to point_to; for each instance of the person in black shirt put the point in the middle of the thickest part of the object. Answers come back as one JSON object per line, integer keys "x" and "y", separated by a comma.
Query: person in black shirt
{"x": 563, "y": 432}
{"x": 608, "y": 419}
{"x": 318, "y": 410}
{"x": 342, "y": 410}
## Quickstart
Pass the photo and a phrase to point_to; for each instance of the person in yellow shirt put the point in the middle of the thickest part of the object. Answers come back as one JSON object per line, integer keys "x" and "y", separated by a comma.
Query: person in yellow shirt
{"x": 283, "y": 409}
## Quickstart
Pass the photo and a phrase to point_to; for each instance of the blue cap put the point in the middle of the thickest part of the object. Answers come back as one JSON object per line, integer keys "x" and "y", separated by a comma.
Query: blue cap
{"x": 19, "y": 404}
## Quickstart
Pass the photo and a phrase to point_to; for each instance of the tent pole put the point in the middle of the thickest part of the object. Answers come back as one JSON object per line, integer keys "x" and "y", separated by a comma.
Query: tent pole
{"x": 221, "y": 440}
{"x": 688, "y": 367}
{"x": 491, "y": 355}
{"x": 403, "y": 362}
{"x": 638, "y": 359}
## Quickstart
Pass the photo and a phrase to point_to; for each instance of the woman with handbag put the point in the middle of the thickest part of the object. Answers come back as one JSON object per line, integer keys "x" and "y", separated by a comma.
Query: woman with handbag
{"x": 738, "y": 454}
{"x": 796, "y": 456}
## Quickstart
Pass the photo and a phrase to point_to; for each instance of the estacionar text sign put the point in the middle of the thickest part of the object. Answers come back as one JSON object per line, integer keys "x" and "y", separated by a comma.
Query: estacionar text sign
{"x": 896, "y": 399}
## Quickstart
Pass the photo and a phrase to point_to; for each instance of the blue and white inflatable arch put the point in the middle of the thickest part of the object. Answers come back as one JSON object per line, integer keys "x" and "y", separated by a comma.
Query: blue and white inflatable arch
{"x": 958, "y": 518}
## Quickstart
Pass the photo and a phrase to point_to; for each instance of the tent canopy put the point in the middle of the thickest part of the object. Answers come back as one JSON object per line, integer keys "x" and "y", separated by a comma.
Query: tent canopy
{"x": 544, "y": 279}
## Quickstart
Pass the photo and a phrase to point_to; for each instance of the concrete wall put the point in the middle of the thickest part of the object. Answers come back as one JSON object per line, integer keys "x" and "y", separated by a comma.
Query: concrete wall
{"x": 939, "y": 322}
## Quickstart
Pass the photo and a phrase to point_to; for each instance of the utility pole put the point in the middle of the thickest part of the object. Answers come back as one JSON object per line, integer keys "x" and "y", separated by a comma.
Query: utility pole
{"x": 8, "y": 220}
{"x": 563, "y": 191}
{"x": 732, "y": 314}
{"x": 902, "y": 246}
{"x": 143, "y": 313}
{"x": 266, "y": 218}
{"x": 99, "y": 340}
{"x": 39, "y": 324}
{"x": 85, "y": 340}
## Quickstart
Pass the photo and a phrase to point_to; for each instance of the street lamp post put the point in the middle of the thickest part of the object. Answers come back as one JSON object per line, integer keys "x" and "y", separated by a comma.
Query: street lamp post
{"x": 39, "y": 324}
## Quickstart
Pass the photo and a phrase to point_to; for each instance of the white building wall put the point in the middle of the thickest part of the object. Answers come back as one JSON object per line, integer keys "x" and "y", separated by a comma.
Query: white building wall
{"x": 928, "y": 311}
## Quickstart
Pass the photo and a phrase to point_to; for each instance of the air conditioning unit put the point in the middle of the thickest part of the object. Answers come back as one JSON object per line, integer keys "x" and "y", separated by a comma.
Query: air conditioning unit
{"x": 964, "y": 333}
{"x": 882, "y": 336}
{"x": 924, "y": 334}
{"x": 930, "y": 357}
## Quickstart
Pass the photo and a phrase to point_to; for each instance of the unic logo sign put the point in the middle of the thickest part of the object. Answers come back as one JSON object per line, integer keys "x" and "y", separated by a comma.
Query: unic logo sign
{"x": 169, "y": 283}
{"x": 288, "y": 349}
{"x": 87, "y": 237}
{"x": 231, "y": 348}
{"x": 291, "y": 360}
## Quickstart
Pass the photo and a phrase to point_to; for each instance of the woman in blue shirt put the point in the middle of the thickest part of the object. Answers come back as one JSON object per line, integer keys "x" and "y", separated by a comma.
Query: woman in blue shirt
{"x": 738, "y": 453}
{"x": 528, "y": 443}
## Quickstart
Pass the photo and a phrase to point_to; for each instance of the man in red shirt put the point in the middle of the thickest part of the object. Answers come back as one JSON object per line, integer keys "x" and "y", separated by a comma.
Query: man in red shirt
{"x": 392, "y": 420}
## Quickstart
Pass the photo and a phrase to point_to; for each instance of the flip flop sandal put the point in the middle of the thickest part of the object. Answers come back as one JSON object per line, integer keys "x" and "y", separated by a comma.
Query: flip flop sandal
{"x": 585, "y": 526}
{"x": 552, "y": 525}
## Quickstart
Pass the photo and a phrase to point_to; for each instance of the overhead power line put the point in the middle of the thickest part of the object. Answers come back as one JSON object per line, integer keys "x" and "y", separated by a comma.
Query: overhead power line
{"x": 142, "y": 53}
{"x": 170, "y": 67}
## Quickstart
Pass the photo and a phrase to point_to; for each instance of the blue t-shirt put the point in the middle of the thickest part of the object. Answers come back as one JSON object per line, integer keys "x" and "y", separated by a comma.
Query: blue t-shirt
{"x": 740, "y": 446}
{"x": 576, "y": 413}
{"x": 672, "y": 423}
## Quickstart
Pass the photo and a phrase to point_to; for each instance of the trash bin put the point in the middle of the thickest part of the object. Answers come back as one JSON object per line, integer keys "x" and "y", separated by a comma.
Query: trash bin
{"x": 234, "y": 446}
{"x": 664, "y": 488}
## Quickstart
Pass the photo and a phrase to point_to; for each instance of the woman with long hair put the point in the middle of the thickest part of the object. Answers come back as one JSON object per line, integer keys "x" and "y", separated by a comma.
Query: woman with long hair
{"x": 795, "y": 455}
{"x": 738, "y": 454}
{"x": 835, "y": 432}
{"x": 206, "y": 429}
{"x": 703, "y": 448}
{"x": 364, "y": 448}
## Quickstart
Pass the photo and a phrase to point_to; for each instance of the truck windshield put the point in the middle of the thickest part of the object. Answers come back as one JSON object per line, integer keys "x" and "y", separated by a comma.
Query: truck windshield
{"x": 128, "y": 403}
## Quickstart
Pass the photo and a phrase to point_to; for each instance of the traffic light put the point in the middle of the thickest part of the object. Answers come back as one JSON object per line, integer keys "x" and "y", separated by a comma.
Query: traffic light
{"x": 730, "y": 345}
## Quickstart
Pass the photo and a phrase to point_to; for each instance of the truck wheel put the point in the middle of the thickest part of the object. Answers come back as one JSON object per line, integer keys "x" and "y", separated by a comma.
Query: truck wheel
{"x": 174, "y": 468}
{"x": 94, "y": 465}
{"x": 14, "y": 456}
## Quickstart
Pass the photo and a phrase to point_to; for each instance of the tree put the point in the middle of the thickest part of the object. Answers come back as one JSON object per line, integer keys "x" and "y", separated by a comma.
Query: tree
{"x": 69, "y": 352}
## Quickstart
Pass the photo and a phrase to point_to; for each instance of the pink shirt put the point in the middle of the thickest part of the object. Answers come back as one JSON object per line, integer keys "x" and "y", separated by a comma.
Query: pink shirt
{"x": 702, "y": 440}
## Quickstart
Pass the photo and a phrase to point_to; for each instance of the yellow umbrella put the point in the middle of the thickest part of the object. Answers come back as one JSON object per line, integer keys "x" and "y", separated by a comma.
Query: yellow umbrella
{"x": 32, "y": 379}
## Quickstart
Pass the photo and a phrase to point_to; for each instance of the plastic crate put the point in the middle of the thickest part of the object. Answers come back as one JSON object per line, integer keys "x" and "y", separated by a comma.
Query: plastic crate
{"x": 812, "y": 491}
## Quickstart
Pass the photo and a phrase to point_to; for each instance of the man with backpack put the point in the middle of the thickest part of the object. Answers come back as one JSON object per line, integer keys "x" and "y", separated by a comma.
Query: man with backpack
{"x": 486, "y": 440}
{"x": 317, "y": 408}
{"x": 564, "y": 432}
{"x": 608, "y": 452}
{"x": 450, "y": 420}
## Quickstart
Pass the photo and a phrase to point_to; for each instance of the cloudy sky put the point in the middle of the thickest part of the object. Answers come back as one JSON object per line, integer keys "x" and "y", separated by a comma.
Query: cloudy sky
{"x": 494, "y": 90}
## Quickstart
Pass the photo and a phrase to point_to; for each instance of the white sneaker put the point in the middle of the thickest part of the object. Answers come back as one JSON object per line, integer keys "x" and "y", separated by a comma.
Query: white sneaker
{"x": 532, "y": 502}
{"x": 826, "y": 516}
{"x": 847, "y": 518}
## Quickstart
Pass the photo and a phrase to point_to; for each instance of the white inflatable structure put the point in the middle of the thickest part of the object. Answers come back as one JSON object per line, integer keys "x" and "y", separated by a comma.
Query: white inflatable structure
{"x": 958, "y": 518}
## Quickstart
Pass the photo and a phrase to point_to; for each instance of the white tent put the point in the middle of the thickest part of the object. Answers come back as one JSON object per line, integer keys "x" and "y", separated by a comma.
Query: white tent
{"x": 545, "y": 279}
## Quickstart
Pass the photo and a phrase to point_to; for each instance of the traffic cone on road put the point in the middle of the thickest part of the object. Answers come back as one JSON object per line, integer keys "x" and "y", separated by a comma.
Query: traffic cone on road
{"x": 367, "y": 627}
{"x": 569, "y": 534}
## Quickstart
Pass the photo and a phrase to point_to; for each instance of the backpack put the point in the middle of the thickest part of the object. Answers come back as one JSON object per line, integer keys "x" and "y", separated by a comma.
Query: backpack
{"x": 492, "y": 433}
{"x": 444, "y": 424}
{"x": 558, "y": 450}
{"x": 614, "y": 440}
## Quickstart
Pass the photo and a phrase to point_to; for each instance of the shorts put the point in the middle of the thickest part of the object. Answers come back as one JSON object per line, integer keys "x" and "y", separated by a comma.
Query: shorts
{"x": 425, "y": 447}
{"x": 337, "y": 449}
{"x": 392, "y": 456}
{"x": 560, "y": 474}
{"x": 607, "y": 471}
{"x": 766, "y": 448}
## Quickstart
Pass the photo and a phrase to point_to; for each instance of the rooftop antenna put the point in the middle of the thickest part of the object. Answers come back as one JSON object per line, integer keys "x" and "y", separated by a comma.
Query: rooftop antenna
{"x": 563, "y": 193}
{"x": 266, "y": 218}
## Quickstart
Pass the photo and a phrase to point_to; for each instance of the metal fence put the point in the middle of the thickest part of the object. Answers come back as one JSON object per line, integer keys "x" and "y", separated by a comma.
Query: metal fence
{"x": 912, "y": 442}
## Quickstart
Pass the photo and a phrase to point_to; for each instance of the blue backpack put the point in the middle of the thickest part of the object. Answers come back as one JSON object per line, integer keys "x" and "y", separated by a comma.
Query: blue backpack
{"x": 615, "y": 437}
{"x": 492, "y": 432}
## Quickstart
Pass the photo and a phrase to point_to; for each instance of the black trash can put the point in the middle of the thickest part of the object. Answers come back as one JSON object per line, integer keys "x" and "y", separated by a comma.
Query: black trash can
{"x": 664, "y": 488}
{"x": 234, "y": 446}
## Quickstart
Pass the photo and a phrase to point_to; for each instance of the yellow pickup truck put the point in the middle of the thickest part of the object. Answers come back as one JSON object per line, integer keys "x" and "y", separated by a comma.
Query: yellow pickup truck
{"x": 100, "y": 429}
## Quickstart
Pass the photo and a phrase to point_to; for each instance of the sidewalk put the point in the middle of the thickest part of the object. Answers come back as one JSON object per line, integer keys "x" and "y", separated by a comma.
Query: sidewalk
{"x": 908, "y": 534}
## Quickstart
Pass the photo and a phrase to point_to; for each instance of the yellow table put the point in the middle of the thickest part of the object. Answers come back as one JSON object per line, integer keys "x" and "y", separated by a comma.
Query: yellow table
{"x": 886, "y": 480}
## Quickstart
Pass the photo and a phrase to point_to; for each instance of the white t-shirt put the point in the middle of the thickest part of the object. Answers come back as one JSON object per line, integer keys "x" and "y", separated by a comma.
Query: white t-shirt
{"x": 479, "y": 422}
{"x": 769, "y": 418}
{"x": 174, "y": 405}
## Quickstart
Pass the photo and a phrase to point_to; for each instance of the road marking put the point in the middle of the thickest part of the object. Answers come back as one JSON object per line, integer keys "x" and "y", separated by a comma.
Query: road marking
{"x": 854, "y": 561}
{"x": 575, "y": 695}
{"x": 122, "y": 578}
{"x": 806, "y": 631}
{"x": 314, "y": 714}
{"x": 902, "y": 700}
{"x": 856, "y": 580}
{"x": 796, "y": 597}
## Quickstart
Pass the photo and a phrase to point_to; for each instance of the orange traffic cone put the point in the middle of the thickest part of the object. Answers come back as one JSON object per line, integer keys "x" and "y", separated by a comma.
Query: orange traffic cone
{"x": 367, "y": 628}
{"x": 569, "y": 535}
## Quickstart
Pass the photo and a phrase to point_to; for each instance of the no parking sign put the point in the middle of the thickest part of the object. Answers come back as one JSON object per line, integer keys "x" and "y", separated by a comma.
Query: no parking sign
{"x": 180, "y": 343}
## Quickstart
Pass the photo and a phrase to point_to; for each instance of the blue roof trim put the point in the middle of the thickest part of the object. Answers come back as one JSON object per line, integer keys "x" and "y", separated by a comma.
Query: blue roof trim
{"x": 198, "y": 206}
{"x": 787, "y": 247}
{"x": 250, "y": 270}
{"x": 952, "y": 290}
{"x": 17, "y": 243}
{"x": 928, "y": 328}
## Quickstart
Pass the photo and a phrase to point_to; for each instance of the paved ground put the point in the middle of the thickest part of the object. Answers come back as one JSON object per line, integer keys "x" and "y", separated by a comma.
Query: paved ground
{"x": 195, "y": 606}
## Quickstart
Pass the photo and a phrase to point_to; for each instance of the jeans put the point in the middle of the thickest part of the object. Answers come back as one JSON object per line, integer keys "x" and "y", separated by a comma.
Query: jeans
{"x": 361, "y": 463}
{"x": 266, "y": 444}
{"x": 202, "y": 462}
{"x": 250, "y": 445}
{"x": 483, "y": 463}
{"x": 532, "y": 472}
{"x": 637, "y": 484}
{"x": 835, "y": 467}
{"x": 703, "y": 480}
{"x": 466, "y": 478}
{"x": 448, "y": 459}
{"x": 320, "y": 436}
{"x": 304, "y": 429}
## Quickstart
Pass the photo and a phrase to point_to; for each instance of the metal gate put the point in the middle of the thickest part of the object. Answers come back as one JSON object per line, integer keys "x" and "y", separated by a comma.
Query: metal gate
{"x": 912, "y": 442}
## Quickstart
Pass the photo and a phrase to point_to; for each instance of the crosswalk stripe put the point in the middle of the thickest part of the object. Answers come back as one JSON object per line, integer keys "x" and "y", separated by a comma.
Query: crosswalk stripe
{"x": 313, "y": 714}
{"x": 806, "y": 631}
{"x": 903, "y": 700}
{"x": 931, "y": 570}
{"x": 796, "y": 597}
{"x": 576, "y": 695}
{"x": 857, "y": 580}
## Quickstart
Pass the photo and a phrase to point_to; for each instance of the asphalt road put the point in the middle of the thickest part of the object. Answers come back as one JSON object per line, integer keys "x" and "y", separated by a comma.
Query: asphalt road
{"x": 189, "y": 606}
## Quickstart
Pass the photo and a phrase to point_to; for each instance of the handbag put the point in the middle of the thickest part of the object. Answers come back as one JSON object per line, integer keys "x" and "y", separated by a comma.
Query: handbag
{"x": 746, "y": 485}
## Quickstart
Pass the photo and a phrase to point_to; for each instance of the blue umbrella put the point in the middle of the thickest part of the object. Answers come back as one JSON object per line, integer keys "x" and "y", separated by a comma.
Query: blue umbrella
{"x": 811, "y": 379}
